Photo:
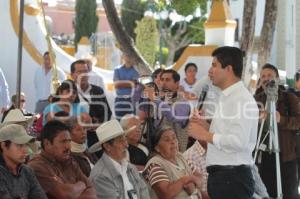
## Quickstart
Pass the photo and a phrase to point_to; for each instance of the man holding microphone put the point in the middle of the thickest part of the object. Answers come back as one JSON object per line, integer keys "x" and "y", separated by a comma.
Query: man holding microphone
{"x": 231, "y": 136}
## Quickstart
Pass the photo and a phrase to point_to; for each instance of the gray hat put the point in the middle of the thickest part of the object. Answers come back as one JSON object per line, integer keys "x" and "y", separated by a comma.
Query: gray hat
{"x": 15, "y": 133}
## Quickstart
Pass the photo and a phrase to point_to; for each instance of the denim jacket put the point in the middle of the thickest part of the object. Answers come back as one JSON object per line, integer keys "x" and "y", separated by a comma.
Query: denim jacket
{"x": 109, "y": 184}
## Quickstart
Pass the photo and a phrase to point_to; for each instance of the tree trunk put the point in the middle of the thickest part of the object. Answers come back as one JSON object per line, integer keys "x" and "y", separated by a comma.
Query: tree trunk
{"x": 267, "y": 32}
{"x": 127, "y": 44}
{"x": 247, "y": 38}
{"x": 171, "y": 55}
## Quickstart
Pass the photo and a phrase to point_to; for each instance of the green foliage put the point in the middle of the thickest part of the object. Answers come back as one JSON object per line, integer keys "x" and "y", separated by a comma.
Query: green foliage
{"x": 196, "y": 30}
{"x": 86, "y": 19}
{"x": 188, "y": 7}
{"x": 147, "y": 38}
{"x": 164, "y": 52}
{"x": 131, "y": 12}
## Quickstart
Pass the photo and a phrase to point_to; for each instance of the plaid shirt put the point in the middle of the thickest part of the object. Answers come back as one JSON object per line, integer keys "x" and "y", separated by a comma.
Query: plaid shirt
{"x": 195, "y": 156}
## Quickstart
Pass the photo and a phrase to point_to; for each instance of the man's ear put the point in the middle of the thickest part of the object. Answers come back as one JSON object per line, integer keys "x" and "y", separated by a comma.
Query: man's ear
{"x": 156, "y": 149}
{"x": 107, "y": 147}
{"x": 229, "y": 68}
{"x": 177, "y": 84}
{"x": 46, "y": 143}
{"x": 2, "y": 146}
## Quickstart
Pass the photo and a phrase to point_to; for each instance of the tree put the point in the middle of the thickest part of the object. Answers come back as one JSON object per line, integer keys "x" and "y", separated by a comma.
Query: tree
{"x": 267, "y": 32}
{"x": 181, "y": 34}
{"x": 147, "y": 38}
{"x": 247, "y": 38}
{"x": 86, "y": 19}
{"x": 123, "y": 38}
{"x": 131, "y": 12}
{"x": 175, "y": 41}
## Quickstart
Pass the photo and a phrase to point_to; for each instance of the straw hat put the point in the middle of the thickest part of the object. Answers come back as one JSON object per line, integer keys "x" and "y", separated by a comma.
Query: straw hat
{"x": 16, "y": 116}
{"x": 108, "y": 131}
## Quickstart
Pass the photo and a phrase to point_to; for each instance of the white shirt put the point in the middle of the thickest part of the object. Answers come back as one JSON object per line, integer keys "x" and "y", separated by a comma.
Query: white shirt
{"x": 122, "y": 169}
{"x": 235, "y": 128}
{"x": 4, "y": 94}
{"x": 42, "y": 82}
{"x": 212, "y": 96}
{"x": 187, "y": 87}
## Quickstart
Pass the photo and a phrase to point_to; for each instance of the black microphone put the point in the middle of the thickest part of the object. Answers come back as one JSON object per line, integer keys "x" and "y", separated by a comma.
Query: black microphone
{"x": 202, "y": 97}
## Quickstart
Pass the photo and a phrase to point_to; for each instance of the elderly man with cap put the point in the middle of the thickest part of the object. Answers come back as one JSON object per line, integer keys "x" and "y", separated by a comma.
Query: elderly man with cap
{"x": 16, "y": 179}
{"x": 113, "y": 176}
{"x": 138, "y": 152}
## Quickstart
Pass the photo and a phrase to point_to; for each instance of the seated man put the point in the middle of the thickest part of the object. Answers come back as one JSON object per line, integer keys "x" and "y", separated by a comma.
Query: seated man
{"x": 58, "y": 174}
{"x": 112, "y": 176}
{"x": 14, "y": 106}
{"x": 138, "y": 153}
{"x": 79, "y": 150}
{"x": 16, "y": 179}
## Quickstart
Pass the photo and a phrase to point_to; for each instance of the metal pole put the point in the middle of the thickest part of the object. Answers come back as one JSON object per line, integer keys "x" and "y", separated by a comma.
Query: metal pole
{"x": 20, "y": 47}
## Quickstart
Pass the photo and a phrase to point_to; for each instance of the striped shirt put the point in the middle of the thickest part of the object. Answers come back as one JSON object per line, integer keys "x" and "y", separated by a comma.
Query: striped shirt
{"x": 154, "y": 174}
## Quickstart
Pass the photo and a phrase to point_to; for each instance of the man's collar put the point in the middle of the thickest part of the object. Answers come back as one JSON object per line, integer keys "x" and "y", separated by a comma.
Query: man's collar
{"x": 110, "y": 165}
{"x": 82, "y": 91}
{"x": 232, "y": 88}
{"x": 3, "y": 164}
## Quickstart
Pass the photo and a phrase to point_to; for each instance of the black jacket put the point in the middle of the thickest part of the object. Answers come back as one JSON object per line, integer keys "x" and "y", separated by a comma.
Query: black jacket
{"x": 99, "y": 108}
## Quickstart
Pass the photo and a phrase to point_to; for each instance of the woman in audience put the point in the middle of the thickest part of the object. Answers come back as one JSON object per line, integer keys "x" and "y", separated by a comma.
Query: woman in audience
{"x": 187, "y": 83}
{"x": 190, "y": 77}
{"x": 66, "y": 99}
{"x": 167, "y": 172}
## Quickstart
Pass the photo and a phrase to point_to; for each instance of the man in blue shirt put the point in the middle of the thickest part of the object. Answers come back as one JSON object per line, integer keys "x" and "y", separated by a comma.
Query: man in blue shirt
{"x": 124, "y": 81}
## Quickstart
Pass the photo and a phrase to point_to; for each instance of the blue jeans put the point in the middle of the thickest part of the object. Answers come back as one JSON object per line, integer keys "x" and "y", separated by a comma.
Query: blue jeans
{"x": 123, "y": 106}
{"x": 230, "y": 183}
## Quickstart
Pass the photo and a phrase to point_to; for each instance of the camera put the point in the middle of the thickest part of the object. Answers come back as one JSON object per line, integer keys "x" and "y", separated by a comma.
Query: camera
{"x": 146, "y": 81}
{"x": 271, "y": 89}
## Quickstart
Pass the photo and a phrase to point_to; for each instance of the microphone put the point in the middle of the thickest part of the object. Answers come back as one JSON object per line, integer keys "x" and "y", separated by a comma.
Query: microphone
{"x": 202, "y": 97}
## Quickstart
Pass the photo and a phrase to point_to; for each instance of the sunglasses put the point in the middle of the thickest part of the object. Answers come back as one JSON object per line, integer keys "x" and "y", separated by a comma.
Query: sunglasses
{"x": 22, "y": 100}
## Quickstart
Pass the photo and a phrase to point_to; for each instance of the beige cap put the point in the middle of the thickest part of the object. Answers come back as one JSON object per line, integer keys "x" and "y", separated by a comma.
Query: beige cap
{"x": 15, "y": 133}
{"x": 16, "y": 116}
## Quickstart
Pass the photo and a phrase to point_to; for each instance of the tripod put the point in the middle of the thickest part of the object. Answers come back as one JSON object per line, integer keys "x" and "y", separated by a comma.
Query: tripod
{"x": 148, "y": 131}
{"x": 273, "y": 145}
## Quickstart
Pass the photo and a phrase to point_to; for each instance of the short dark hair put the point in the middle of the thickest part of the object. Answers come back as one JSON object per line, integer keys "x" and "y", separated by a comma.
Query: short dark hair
{"x": 79, "y": 61}
{"x": 228, "y": 55}
{"x": 190, "y": 65}
{"x": 272, "y": 67}
{"x": 156, "y": 73}
{"x": 175, "y": 75}
{"x": 14, "y": 97}
{"x": 45, "y": 53}
{"x": 7, "y": 144}
{"x": 51, "y": 130}
{"x": 297, "y": 76}
{"x": 65, "y": 85}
